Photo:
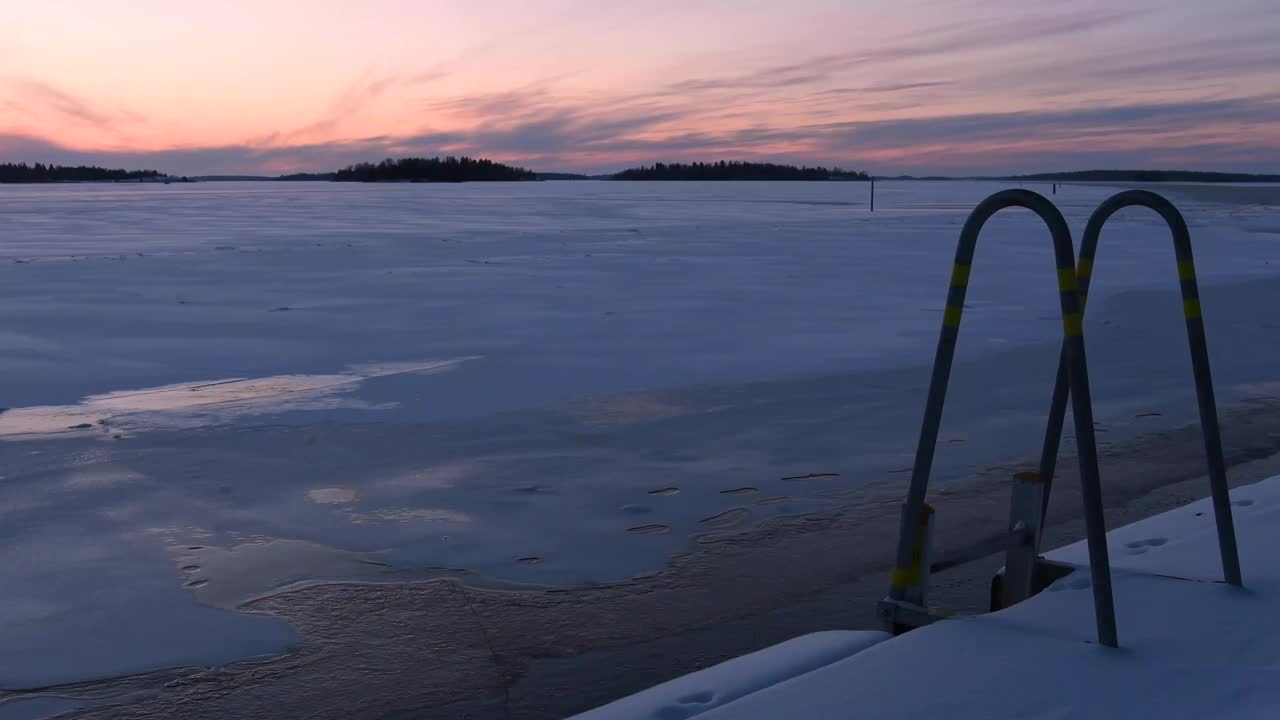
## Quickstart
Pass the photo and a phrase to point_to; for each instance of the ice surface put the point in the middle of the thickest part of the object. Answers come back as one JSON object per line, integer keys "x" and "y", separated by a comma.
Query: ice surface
{"x": 721, "y": 684}
{"x": 306, "y": 381}
{"x": 1189, "y": 648}
{"x": 73, "y": 610}
{"x": 37, "y": 708}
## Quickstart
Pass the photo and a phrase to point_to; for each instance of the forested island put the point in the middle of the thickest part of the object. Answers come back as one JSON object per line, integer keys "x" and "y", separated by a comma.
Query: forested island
{"x": 449, "y": 169}
{"x": 41, "y": 173}
{"x": 736, "y": 171}
{"x": 306, "y": 176}
{"x": 466, "y": 169}
{"x": 1146, "y": 176}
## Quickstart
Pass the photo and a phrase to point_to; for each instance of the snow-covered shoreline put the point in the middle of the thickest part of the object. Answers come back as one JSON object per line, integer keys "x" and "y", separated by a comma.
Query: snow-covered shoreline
{"x": 1191, "y": 646}
{"x": 199, "y": 409}
{"x": 786, "y": 580}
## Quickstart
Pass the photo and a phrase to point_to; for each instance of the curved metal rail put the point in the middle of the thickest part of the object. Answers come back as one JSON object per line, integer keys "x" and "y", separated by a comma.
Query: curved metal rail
{"x": 908, "y": 569}
{"x": 1199, "y": 363}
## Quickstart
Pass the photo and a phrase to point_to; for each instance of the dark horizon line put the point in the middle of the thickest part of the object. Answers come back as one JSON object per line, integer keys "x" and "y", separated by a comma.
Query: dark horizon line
{"x": 1096, "y": 175}
{"x": 1147, "y": 175}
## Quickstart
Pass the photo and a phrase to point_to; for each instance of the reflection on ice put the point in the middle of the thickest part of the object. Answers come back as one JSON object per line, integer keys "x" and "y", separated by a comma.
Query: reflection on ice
{"x": 228, "y": 577}
{"x": 206, "y": 402}
{"x": 332, "y": 495}
{"x": 412, "y": 514}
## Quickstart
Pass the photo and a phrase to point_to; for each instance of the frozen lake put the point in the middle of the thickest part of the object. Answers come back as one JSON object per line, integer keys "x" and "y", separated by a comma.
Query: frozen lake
{"x": 217, "y": 390}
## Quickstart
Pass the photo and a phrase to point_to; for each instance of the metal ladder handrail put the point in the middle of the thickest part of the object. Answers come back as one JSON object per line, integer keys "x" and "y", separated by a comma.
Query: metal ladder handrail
{"x": 910, "y": 555}
{"x": 1199, "y": 363}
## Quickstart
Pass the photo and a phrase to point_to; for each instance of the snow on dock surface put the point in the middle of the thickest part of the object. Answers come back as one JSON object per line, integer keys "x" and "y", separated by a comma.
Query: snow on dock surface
{"x": 696, "y": 693}
{"x": 1191, "y": 647}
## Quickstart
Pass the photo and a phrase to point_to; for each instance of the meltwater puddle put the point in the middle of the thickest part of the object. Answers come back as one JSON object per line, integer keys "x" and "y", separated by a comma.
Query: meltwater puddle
{"x": 230, "y": 577}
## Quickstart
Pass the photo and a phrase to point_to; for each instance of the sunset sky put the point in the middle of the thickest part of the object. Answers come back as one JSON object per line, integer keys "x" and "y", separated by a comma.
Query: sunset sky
{"x": 893, "y": 86}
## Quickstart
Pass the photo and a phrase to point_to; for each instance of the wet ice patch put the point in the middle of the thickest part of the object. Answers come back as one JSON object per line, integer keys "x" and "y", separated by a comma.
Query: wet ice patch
{"x": 332, "y": 495}
{"x": 11, "y": 342}
{"x": 625, "y": 409}
{"x": 206, "y": 402}
{"x": 412, "y": 515}
{"x": 229, "y": 577}
{"x": 38, "y": 707}
{"x": 102, "y": 478}
{"x": 439, "y": 477}
{"x": 83, "y": 606}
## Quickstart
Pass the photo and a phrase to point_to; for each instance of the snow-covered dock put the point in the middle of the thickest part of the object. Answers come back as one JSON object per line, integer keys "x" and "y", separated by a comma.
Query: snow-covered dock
{"x": 1190, "y": 646}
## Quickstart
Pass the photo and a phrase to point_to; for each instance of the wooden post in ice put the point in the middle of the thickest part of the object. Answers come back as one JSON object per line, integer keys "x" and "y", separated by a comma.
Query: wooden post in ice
{"x": 873, "y": 193}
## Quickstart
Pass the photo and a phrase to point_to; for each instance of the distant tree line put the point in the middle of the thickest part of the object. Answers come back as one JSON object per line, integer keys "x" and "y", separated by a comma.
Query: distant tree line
{"x": 736, "y": 171}
{"x": 308, "y": 176}
{"x": 448, "y": 169}
{"x": 1146, "y": 176}
{"x": 41, "y": 173}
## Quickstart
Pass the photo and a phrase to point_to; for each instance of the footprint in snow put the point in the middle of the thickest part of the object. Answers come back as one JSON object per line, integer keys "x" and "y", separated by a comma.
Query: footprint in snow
{"x": 654, "y": 529}
{"x": 687, "y": 706}
{"x": 773, "y": 500}
{"x": 727, "y": 519}
{"x": 1138, "y": 547}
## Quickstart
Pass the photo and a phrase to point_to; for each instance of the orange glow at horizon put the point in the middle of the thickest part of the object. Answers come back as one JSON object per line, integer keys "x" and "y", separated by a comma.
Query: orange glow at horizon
{"x": 288, "y": 85}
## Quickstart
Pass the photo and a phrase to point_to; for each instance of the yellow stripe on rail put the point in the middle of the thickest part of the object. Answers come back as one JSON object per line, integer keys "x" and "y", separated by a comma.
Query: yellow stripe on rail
{"x": 1066, "y": 278}
{"x": 951, "y": 316}
{"x": 1186, "y": 270}
{"x": 1072, "y": 325}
